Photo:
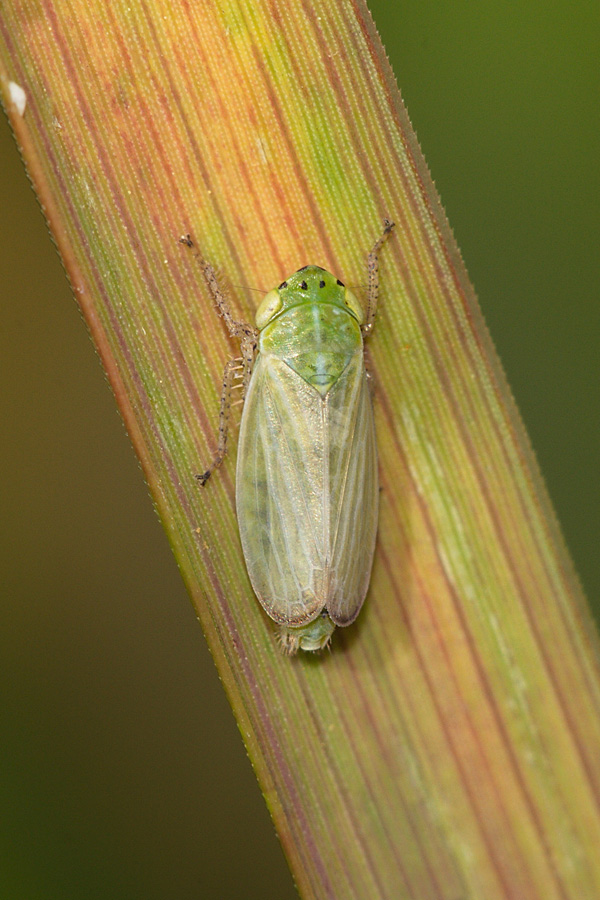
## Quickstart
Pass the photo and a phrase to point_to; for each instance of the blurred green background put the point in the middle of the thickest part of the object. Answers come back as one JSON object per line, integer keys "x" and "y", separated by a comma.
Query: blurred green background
{"x": 122, "y": 773}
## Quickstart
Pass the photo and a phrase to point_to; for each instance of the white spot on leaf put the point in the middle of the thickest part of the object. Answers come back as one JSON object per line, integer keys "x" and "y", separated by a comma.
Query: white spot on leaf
{"x": 18, "y": 97}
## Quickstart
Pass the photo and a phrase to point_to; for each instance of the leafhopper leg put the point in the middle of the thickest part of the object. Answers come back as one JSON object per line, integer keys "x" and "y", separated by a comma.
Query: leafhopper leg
{"x": 232, "y": 367}
{"x": 248, "y": 336}
{"x": 373, "y": 277}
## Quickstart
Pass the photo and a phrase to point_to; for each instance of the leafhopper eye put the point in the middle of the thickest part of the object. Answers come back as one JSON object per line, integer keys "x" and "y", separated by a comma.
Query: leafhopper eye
{"x": 270, "y": 306}
{"x": 354, "y": 306}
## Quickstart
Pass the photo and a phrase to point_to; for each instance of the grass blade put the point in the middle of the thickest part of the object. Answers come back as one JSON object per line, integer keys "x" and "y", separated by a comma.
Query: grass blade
{"x": 448, "y": 747}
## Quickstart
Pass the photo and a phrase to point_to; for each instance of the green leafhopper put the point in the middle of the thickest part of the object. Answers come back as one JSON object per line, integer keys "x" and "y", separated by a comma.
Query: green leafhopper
{"x": 306, "y": 481}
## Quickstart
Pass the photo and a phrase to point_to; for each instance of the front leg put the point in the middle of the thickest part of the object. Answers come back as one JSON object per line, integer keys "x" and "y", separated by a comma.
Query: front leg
{"x": 373, "y": 277}
{"x": 243, "y": 330}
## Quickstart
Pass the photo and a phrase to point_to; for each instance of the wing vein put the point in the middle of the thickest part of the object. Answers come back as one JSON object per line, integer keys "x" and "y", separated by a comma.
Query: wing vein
{"x": 349, "y": 459}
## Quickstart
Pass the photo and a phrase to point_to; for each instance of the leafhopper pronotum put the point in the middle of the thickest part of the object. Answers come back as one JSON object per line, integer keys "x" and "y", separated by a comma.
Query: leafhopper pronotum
{"x": 306, "y": 481}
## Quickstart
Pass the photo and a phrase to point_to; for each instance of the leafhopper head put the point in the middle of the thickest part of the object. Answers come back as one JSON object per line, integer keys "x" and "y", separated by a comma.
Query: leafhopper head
{"x": 308, "y": 285}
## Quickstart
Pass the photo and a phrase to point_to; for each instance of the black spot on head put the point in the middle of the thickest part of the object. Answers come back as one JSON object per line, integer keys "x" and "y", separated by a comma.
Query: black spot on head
{"x": 303, "y": 286}
{"x": 341, "y": 283}
{"x": 282, "y": 285}
{"x": 321, "y": 284}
